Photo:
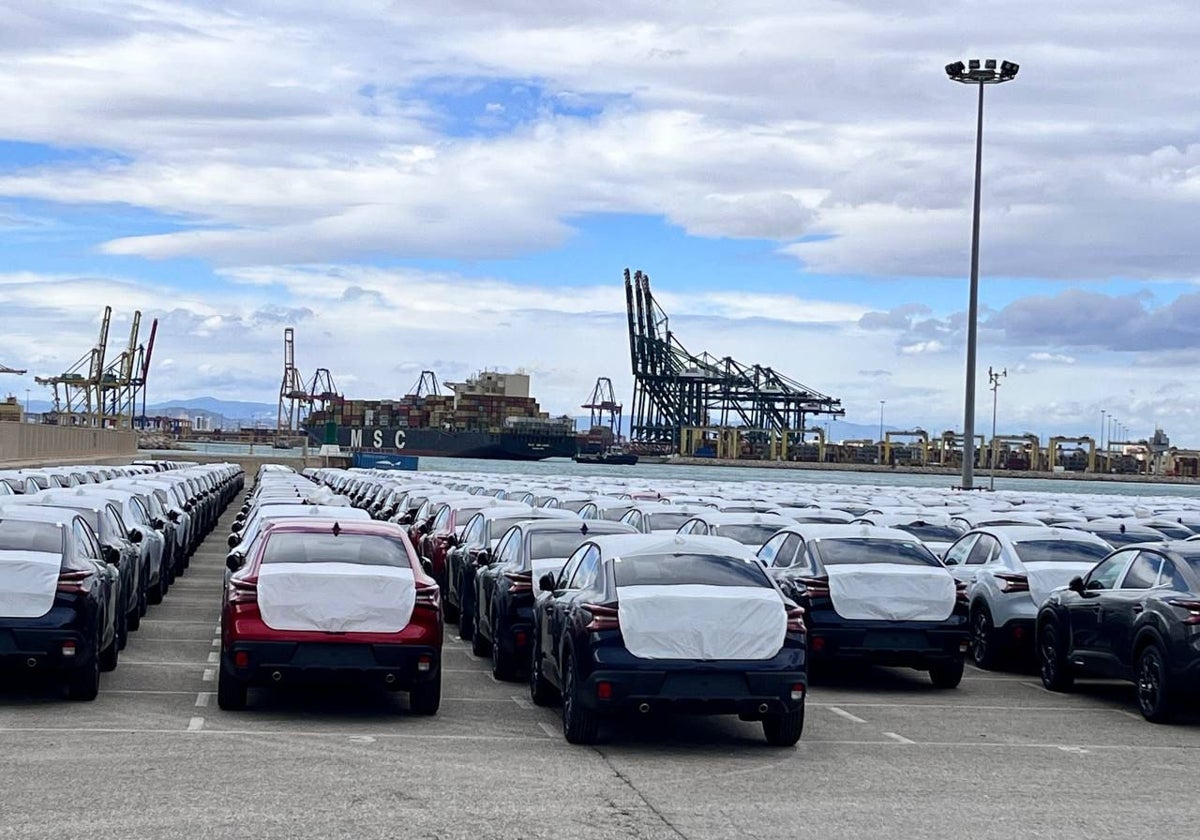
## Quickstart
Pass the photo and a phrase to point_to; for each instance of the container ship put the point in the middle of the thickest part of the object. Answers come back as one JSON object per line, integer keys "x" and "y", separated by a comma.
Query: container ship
{"x": 491, "y": 416}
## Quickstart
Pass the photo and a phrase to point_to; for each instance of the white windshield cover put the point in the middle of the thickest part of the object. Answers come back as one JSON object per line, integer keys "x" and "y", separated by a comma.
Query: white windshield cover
{"x": 1047, "y": 576}
{"x": 700, "y": 621}
{"x": 891, "y": 592}
{"x": 546, "y": 566}
{"x": 336, "y": 597}
{"x": 28, "y": 583}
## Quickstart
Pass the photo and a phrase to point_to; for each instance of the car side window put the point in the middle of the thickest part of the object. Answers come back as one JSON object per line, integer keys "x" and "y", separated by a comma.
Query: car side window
{"x": 589, "y": 569}
{"x": 787, "y": 555}
{"x": 1143, "y": 572}
{"x": 569, "y": 568}
{"x": 1108, "y": 572}
{"x": 986, "y": 548}
{"x": 957, "y": 555}
{"x": 505, "y": 551}
{"x": 86, "y": 542}
{"x": 770, "y": 549}
{"x": 474, "y": 533}
{"x": 1170, "y": 578}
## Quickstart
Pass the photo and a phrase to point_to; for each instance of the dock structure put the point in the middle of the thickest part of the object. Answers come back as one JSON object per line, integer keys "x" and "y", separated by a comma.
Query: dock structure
{"x": 684, "y": 403}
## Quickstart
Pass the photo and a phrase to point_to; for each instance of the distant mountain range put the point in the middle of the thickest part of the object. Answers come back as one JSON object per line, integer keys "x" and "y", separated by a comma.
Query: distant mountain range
{"x": 213, "y": 406}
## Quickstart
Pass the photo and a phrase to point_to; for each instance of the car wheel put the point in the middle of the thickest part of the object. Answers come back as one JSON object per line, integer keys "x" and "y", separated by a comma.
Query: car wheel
{"x": 1056, "y": 672}
{"x": 122, "y": 620}
{"x": 784, "y": 730}
{"x": 503, "y": 667}
{"x": 580, "y": 725}
{"x": 155, "y": 594}
{"x": 1153, "y": 685}
{"x": 479, "y": 645}
{"x": 134, "y": 620}
{"x": 947, "y": 674}
{"x": 984, "y": 642}
{"x": 449, "y": 611}
{"x": 84, "y": 683}
{"x": 541, "y": 692}
{"x": 466, "y": 627}
{"x": 231, "y": 692}
{"x": 424, "y": 699}
{"x": 108, "y": 656}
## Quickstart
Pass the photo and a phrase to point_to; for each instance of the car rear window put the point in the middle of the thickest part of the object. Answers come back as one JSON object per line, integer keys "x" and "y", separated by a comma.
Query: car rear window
{"x": 1117, "y": 537}
{"x": 680, "y": 569}
{"x": 1060, "y": 551}
{"x": 16, "y": 535}
{"x": 753, "y": 534}
{"x": 562, "y": 544}
{"x": 853, "y": 551}
{"x": 936, "y": 533}
{"x": 362, "y": 549}
{"x": 667, "y": 521}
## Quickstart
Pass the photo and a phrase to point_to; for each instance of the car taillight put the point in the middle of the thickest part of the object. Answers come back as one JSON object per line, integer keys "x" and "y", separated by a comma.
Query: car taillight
{"x": 519, "y": 582}
{"x": 428, "y": 596}
{"x": 795, "y": 620}
{"x": 1012, "y": 583}
{"x": 244, "y": 591}
{"x": 818, "y": 587}
{"x": 603, "y": 618}
{"x": 960, "y": 591}
{"x": 1192, "y": 605}
{"x": 75, "y": 581}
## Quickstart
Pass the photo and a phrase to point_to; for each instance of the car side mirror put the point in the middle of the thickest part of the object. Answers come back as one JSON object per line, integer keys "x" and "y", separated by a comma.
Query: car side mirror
{"x": 1076, "y": 585}
{"x": 484, "y": 557}
{"x": 234, "y": 560}
{"x": 135, "y": 536}
{"x": 111, "y": 554}
{"x": 233, "y": 540}
{"x": 427, "y": 565}
{"x": 547, "y": 582}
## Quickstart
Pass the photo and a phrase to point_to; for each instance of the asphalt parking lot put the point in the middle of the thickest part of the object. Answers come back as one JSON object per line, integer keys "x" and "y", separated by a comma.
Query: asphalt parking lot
{"x": 883, "y": 755}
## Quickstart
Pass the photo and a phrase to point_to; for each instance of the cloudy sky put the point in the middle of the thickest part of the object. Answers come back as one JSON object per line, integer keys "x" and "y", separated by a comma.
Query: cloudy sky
{"x": 458, "y": 184}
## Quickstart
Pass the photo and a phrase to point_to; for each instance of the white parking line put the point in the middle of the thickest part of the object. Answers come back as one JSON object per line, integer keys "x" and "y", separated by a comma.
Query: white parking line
{"x": 550, "y": 731}
{"x": 195, "y": 724}
{"x": 522, "y": 703}
{"x": 213, "y": 658}
{"x": 203, "y": 697}
{"x": 843, "y": 713}
{"x": 899, "y": 739}
{"x": 209, "y": 673}
{"x": 216, "y": 642}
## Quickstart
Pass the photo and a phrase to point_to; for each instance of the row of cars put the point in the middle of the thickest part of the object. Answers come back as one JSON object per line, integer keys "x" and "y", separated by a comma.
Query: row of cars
{"x": 85, "y": 551}
{"x": 1077, "y": 585}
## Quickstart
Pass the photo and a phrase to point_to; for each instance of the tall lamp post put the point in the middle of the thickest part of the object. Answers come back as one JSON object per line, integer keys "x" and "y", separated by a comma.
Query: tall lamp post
{"x": 980, "y": 74}
{"x": 994, "y": 380}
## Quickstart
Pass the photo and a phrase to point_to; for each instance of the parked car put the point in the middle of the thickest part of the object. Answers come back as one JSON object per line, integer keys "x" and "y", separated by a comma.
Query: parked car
{"x": 59, "y": 600}
{"x": 641, "y": 622}
{"x": 506, "y": 586}
{"x": 1135, "y": 617}
{"x": 321, "y": 599}
{"x": 1010, "y": 570}
{"x": 872, "y": 595}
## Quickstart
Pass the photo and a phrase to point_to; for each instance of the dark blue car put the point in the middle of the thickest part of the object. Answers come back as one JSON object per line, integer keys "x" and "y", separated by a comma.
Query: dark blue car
{"x": 58, "y": 598}
{"x": 642, "y": 623}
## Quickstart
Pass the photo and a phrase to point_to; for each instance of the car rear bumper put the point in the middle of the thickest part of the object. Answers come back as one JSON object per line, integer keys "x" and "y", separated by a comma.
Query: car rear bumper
{"x": 915, "y": 647}
{"x": 391, "y": 666}
{"x": 33, "y": 645}
{"x": 695, "y": 691}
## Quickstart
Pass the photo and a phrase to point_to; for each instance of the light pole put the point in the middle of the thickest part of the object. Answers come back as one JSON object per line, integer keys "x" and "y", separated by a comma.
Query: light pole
{"x": 26, "y": 405}
{"x": 994, "y": 379}
{"x": 1102, "y": 413}
{"x": 979, "y": 74}
{"x": 881, "y": 444}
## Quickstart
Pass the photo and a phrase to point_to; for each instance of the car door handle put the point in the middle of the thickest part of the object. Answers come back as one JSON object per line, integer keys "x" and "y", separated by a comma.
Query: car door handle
{"x": 1137, "y": 608}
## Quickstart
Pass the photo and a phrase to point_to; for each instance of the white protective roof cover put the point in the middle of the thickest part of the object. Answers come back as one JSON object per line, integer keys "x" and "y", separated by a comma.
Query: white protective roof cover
{"x": 336, "y": 597}
{"x": 28, "y": 583}
{"x": 697, "y": 620}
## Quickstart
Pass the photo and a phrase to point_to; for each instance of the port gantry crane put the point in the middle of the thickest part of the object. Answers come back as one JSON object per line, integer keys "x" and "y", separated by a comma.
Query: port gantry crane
{"x": 77, "y": 397}
{"x": 294, "y": 397}
{"x": 675, "y": 391}
{"x": 606, "y": 412}
{"x": 125, "y": 376}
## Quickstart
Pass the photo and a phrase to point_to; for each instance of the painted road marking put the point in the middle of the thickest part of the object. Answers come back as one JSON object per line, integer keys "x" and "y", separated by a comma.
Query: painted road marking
{"x": 195, "y": 724}
{"x": 203, "y": 697}
{"x": 209, "y": 673}
{"x": 899, "y": 739}
{"x": 846, "y": 715}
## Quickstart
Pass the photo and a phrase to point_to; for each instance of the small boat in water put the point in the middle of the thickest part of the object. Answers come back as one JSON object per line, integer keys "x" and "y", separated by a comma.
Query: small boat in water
{"x": 612, "y": 455}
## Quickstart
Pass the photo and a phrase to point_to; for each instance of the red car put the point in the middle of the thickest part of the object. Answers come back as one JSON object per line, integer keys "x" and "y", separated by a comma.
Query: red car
{"x": 322, "y": 600}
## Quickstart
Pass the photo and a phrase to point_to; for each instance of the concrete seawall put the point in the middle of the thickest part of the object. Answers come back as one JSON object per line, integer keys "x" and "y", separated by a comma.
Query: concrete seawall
{"x": 30, "y": 444}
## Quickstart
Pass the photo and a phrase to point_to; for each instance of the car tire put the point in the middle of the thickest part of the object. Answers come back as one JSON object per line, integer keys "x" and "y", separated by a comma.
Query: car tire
{"x": 450, "y": 612}
{"x": 133, "y": 620}
{"x": 580, "y": 725}
{"x": 108, "y": 657}
{"x": 466, "y": 627}
{"x": 232, "y": 693}
{"x": 503, "y": 666}
{"x": 541, "y": 692}
{"x": 1154, "y": 691}
{"x": 785, "y": 729}
{"x": 984, "y": 639}
{"x": 947, "y": 674}
{"x": 479, "y": 645}
{"x": 1052, "y": 661}
{"x": 424, "y": 699}
{"x": 155, "y": 594}
{"x": 83, "y": 684}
